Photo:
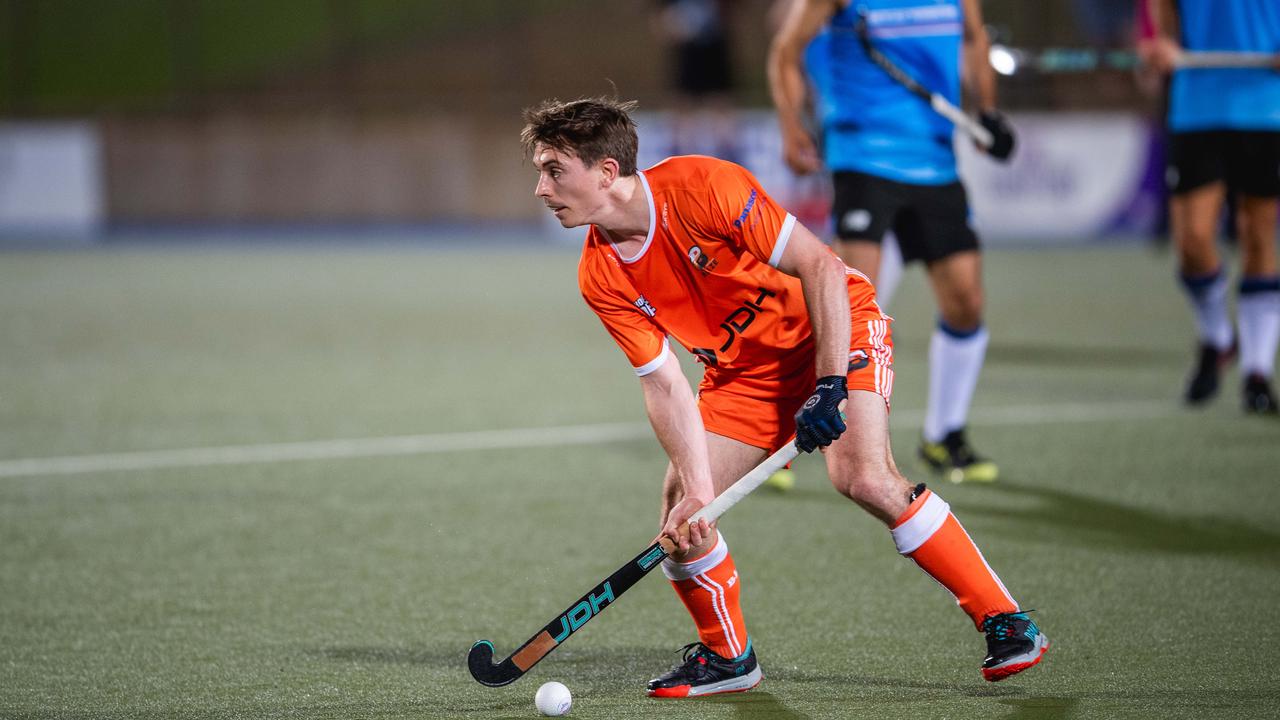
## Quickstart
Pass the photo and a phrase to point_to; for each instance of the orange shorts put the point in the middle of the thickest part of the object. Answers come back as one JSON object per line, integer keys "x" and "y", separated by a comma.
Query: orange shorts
{"x": 760, "y": 410}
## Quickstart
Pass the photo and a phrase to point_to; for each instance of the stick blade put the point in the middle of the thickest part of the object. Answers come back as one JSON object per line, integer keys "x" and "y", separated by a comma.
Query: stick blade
{"x": 486, "y": 671}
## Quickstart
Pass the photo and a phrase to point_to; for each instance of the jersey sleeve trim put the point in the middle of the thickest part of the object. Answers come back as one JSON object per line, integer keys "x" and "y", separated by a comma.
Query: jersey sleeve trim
{"x": 657, "y": 362}
{"x": 784, "y": 235}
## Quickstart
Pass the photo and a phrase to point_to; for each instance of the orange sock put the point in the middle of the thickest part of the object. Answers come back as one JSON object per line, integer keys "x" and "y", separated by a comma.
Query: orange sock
{"x": 929, "y": 534}
{"x": 709, "y": 587}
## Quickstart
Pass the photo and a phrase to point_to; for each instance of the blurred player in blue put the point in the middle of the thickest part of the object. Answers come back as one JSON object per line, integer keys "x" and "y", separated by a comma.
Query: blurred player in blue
{"x": 1224, "y": 128}
{"x": 894, "y": 168}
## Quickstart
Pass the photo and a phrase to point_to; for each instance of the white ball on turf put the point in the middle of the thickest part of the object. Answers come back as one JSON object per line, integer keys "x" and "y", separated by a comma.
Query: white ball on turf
{"x": 553, "y": 699}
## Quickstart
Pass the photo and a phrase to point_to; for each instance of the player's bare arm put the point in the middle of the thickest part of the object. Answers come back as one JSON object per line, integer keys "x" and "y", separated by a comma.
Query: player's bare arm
{"x": 980, "y": 82}
{"x": 787, "y": 85}
{"x": 980, "y": 78}
{"x": 1165, "y": 48}
{"x": 824, "y": 281}
{"x": 673, "y": 412}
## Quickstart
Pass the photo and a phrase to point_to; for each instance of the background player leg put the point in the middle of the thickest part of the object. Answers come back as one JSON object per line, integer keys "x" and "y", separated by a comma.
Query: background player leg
{"x": 889, "y": 273}
{"x": 1258, "y": 308}
{"x": 861, "y": 467}
{"x": 957, "y": 350}
{"x": 707, "y": 582}
{"x": 1193, "y": 220}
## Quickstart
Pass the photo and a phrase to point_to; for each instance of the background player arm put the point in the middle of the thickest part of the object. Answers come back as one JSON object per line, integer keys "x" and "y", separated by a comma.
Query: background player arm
{"x": 826, "y": 293}
{"x": 1166, "y": 46}
{"x": 673, "y": 412}
{"x": 980, "y": 80}
{"x": 787, "y": 86}
{"x": 979, "y": 77}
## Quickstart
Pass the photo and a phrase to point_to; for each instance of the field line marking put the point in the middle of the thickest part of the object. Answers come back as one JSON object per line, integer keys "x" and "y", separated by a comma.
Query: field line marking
{"x": 513, "y": 438}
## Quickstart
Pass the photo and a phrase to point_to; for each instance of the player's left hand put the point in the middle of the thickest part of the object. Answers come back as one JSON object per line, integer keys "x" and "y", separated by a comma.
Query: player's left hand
{"x": 1003, "y": 139}
{"x": 820, "y": 421}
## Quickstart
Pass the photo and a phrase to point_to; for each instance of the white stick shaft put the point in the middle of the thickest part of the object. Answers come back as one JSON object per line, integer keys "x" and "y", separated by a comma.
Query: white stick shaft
{"x": 749, "y": 482}
{"x": 1226, "y": 60}
{"x": 962, "y": 120}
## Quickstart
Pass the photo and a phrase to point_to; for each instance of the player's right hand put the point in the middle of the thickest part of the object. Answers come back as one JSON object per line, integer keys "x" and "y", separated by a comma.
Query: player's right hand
{"x": 1002, "y": 137}
{"x": 683, "y": 533}
{"x": 800, "y": 152}
{"x": 1161, "y": 54}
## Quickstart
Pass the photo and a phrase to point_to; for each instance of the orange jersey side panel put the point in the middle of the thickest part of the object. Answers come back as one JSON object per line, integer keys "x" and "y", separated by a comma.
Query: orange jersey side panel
{"x": 704, "y": 275}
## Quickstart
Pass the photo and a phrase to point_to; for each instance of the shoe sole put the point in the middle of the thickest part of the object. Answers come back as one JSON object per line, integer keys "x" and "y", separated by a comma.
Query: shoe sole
{"x": 1015, "y": 666}
{"x": 732, "y": 685}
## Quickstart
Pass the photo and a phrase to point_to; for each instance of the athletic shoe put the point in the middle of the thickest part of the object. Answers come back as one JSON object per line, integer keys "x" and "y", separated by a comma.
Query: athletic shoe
{"x": 1258, "y": 397}
{"x": 1014, "y": 643}
{"x": 954, "y": 459}
{"x": 1203, "y": 384}
{"x": 705, "y": 673}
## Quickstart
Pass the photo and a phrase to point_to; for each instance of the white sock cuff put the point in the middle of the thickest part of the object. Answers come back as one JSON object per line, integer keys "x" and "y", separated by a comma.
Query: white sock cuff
{"x": 675, "y": 570}
{"x": 921, "y": 526}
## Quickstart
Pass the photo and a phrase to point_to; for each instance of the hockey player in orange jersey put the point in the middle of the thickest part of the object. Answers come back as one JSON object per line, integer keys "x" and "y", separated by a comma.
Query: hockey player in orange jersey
{"x": 694, "y": 250}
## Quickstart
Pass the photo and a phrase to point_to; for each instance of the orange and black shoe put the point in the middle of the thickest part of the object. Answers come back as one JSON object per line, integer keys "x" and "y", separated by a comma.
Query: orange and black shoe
{"x": 1014, "y": 643}
{"x": 703, "y": 672}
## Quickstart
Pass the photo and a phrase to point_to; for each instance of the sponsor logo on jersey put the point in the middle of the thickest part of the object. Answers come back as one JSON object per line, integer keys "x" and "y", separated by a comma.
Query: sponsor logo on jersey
{"x": 701, "y": 260}
{"x": 751, "y": 201}
{"x": 645, "y": 306}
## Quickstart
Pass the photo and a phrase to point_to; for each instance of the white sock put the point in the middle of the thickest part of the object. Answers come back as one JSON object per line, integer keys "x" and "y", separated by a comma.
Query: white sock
{"x": 1208, "y": 296}
{"x": 889, "y": 274}
{"x": 1258, "y": 309}
{"x": 955, "y": 361}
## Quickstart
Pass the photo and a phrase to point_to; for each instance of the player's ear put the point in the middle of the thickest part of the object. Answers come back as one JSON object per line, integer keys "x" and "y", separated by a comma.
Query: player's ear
{"x": 608, "y": 172}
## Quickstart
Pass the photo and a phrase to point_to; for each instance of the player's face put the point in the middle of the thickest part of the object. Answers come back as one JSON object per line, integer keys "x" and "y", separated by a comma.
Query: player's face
{"x": 571, "y": 190}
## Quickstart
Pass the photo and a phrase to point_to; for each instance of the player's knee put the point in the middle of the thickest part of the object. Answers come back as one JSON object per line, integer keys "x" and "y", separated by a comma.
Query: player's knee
{"x": 860, "y": 484}
{"x": 964, "y": 312}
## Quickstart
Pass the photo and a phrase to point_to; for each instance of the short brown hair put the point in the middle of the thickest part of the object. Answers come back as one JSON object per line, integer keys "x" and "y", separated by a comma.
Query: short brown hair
{"x": 591, "y": 128}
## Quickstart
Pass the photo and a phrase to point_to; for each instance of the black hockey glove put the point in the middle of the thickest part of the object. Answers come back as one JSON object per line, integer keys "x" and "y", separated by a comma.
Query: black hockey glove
{"x": 820, "y": 421}
{"x": 1003, "y": 139}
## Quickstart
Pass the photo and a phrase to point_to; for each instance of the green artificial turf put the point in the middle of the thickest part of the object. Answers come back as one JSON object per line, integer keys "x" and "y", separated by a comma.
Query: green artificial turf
{"x": 1144, "y": 534}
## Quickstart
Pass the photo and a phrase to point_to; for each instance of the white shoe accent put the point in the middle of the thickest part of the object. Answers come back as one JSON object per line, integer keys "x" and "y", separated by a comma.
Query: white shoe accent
{"x": 738, "y": 684}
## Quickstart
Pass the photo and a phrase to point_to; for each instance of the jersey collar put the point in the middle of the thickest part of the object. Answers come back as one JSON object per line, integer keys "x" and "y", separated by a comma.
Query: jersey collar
{"x": 648, "y": 240}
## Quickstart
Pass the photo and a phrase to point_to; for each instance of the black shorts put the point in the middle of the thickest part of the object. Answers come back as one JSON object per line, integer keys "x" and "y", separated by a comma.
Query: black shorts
{"x": 931, "y": 221}
{"x": 1247, "y": 160}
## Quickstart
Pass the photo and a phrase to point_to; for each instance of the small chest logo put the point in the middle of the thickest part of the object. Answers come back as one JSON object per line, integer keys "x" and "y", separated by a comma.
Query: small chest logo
{"x": 645, "y": 306}
{"x": 701, "y": 260}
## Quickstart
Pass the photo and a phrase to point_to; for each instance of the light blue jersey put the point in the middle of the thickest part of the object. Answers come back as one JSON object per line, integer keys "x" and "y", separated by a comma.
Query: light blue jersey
{"x": 1227, "y": 99}
{"x": 871, "y": 124}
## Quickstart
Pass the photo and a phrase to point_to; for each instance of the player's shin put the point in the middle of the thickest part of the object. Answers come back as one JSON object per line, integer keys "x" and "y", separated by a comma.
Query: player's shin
{"x": 930, "y": 535}
{"x": 709, "y": 588}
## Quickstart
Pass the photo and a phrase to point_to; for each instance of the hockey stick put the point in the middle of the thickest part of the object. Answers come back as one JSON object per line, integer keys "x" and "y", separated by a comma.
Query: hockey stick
{"x": 940, "y": 104}
{"x": 480, "y": 658}
{"x": 1214, "y": 59}
{"x": 1011, "y": 60}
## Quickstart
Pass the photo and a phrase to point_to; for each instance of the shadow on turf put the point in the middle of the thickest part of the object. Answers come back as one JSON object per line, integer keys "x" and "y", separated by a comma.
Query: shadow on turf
{"x": 1093, "y": 522}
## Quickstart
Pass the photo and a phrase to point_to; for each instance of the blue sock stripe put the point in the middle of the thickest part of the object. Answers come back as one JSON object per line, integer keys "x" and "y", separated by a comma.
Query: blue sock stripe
{"x": 1252, "y": 284}
{"x": 1199, "y": 282}
{"x": 958, "y": 334}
